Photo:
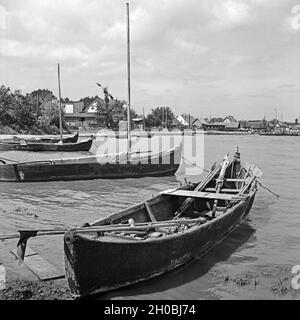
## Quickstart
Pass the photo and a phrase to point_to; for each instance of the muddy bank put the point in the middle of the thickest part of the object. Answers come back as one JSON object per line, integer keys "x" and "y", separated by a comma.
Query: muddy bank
{"x": 34, "y": 290}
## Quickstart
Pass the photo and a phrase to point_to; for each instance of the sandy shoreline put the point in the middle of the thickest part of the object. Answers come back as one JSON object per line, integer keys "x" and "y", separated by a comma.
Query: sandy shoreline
{"x": 258, "y": 285}
{"x": 219, "y": 282}
{"x": 35, "y": 290}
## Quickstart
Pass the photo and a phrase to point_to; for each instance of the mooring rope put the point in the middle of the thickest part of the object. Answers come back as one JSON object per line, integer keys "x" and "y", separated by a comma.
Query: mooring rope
{"x": 275, "y": 194}
{"x": 1, "y": 158}
{"x": 272, "y": 192}
{"x": 194, "y": 164}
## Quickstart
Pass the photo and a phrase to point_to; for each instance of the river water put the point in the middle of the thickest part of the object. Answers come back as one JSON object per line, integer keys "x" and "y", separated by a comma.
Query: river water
{"x": 254, "y": 262}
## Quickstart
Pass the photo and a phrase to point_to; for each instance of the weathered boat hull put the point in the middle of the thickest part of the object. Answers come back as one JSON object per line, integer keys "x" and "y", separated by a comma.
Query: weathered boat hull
{"x": 98, "y": 266}
{"x": 54, "y": 170}
{"x": 71, "y": 139}
{"x": 38, "y": 147}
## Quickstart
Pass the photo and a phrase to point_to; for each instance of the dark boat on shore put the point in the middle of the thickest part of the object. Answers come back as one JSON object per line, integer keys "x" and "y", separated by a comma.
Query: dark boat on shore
{"x": 39, "y": 146}
{"x": 160, "y": 234}
{"x": 281, "y": 134}
{"x": 71, "y": 139}
{"x": 114, "y": 166}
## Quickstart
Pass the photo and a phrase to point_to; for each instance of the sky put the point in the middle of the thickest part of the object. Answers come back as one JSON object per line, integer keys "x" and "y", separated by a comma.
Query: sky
{"x": 204, "y": 57}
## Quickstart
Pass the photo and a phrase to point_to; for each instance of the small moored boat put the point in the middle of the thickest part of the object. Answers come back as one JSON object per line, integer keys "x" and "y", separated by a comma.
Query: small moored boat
{"x": 42, "y": 146}
{"x": 177, "y": 225}
{"x": 42, "y": 139}
{"x": 112, "y": 166}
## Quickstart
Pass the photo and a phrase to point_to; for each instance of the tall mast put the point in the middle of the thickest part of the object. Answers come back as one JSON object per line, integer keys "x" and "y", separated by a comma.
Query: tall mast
{"x": 128, "y": 73}
{"x": 59, "y": 94}
{"x": 144, "y": 124}
{"x": 167, "y": 117}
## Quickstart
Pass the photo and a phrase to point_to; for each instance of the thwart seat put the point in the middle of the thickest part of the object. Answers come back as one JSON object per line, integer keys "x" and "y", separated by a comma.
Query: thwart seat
{"x": 223, "y": 190}
{"x": 203, "y": 195}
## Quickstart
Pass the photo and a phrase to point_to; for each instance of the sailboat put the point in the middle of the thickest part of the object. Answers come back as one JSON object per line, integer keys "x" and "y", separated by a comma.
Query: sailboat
{"x": 126, "y": 164}
{"x": 62, "y": 145}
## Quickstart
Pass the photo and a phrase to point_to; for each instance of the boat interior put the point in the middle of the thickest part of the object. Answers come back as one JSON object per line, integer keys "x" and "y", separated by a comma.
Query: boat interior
{"x": 180, "y": 209}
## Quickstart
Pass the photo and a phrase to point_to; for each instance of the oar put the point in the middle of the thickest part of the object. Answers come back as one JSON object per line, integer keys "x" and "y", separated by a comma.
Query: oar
{"x": 187, "y": 202}
{"x": 103, "y": 228}
{"x": 24, "y": 235}
{"x": 220, "y": 181}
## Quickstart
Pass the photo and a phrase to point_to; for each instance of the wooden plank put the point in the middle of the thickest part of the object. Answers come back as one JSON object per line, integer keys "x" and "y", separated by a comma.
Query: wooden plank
{"x": 150, "y": 213}
{"x": 40, "y": 267}
{"x": 204, "y": 195}
{"x": 223, "y": 190}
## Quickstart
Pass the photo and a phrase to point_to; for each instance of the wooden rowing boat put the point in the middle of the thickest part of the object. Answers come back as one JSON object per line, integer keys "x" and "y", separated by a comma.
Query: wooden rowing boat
{"x": 160, "y": 234}
{"x": 40, "y": 146}
{"x": 113, "y": 166}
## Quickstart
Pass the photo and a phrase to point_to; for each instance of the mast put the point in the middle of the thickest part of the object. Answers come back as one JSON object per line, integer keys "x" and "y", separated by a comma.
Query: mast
{"x": 167, "y": 117}
{"x": 144, "y": 124}
{"x": 59, "y": 94}
{"x": 128, "y": 74}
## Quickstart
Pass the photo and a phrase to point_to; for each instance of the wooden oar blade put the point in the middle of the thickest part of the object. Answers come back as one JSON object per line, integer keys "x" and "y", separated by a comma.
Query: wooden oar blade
{"x": 21, "y": 246}
{"x": 257, "y": 172}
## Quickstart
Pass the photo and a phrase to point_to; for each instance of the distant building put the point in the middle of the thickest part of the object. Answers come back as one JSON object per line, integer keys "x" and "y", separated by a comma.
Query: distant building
{"x": 199, "y": 123}
{"x": 92, "y": 107}
{"x": 73, "y": 107}
{"x": 254, "y": 125}
{"x": 76, "y": 115}
{"x": 216, "y": 126}
{"x": 182, "y": 120}
{"x": 229, "y": 119}
{"x": 138, "y": 123}
{"x": 233, "y": 126}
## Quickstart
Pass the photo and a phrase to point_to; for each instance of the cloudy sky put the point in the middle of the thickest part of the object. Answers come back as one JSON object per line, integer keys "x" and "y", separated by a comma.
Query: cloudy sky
{"x": 206, "y": 57}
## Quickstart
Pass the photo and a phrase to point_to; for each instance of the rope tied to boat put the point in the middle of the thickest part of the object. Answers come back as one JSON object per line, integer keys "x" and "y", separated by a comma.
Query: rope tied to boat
{"x": 194, "y": 164}
{"x": 272, "y": 192}
{"x": 5, "y": 159}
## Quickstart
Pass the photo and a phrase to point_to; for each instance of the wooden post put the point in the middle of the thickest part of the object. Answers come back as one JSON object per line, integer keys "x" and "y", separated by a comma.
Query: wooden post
{"x": 59, "y": 94}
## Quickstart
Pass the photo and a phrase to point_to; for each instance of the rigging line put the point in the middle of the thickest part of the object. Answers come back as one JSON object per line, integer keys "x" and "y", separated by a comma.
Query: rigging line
{"x": 9, "y": 160}
{"x": 275, "y": 194}
{"x": 195, "y": 164}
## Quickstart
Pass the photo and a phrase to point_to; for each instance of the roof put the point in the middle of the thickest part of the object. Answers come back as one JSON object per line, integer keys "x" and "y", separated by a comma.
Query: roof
{"x": 95, "y": 103}
{"x": 220, "y": 124}
{"x": 138, "y": 119}
{"x": 80, "y": 115}
{"x": 253, "y": 124}
{"x": 72, "y": 102}
{"x": 233, "y": 125}
{"x": 200, "y": 120}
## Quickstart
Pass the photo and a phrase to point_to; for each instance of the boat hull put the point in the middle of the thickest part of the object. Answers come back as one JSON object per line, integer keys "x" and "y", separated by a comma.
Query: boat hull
{"x": 55, "y": 170}
{"x": 98, "y": 266}
{"x": 38, "y": 147}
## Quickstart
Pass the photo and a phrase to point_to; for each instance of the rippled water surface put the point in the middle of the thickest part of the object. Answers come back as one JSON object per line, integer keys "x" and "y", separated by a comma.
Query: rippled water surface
{"x": 266, "y": 243}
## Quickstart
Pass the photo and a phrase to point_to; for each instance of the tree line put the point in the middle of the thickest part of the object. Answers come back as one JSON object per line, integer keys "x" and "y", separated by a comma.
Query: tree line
{"x": 37, "y": 112}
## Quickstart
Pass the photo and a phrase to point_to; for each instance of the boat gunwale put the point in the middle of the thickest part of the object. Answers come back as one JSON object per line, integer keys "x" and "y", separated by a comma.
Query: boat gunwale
{"x": 30, "y": 143}
{"x": 170, "y": 236}
{"x": 52, "y": 162}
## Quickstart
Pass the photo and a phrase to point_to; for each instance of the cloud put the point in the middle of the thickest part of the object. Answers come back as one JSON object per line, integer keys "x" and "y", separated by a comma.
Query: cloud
{"x": 17, "y": 49}
{"x": 183, "y": 52}
{"x": 294, "y": 20}
{"x": 231, "y": 14}
{"x": 3, "y": 19}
